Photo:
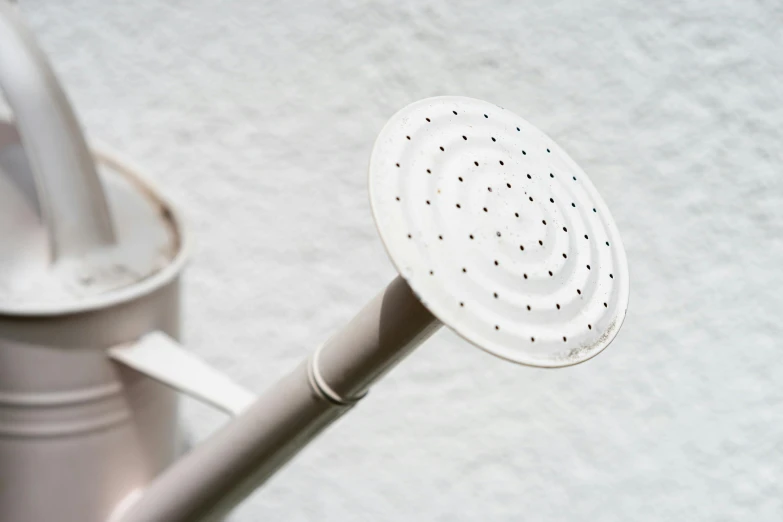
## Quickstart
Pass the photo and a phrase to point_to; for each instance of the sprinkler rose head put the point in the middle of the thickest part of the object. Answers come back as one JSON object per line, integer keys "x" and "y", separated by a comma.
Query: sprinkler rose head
{"x": 498, "y": 232}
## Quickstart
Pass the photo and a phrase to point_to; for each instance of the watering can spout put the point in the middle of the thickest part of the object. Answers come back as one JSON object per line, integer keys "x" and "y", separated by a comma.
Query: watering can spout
{"x": 70, "y": 195}
{"x": 222, "y": 471}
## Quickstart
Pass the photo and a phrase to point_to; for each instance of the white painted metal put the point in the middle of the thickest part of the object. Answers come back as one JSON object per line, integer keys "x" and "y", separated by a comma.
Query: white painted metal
{"x": 31, "y": 284}
{"x": 147, "y": 245}
{"x": 69, "y": 191}
{"x": 90, "y": 257}
{"x": 159, "y": 356}
{"x": 76, "y": 428}
{"x": 499, "y": 232}
{"x": 212, "y": 479}
{"x": 63, "y": 249}
{"x": 78, "y": 432}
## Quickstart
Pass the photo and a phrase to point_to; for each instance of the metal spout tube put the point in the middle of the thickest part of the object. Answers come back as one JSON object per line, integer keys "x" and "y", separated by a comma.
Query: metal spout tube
{"x": 216, "y": 476}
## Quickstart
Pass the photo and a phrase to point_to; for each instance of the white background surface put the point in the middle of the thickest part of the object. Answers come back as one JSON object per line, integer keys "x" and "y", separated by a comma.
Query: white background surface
{"x": 259, "y": 118}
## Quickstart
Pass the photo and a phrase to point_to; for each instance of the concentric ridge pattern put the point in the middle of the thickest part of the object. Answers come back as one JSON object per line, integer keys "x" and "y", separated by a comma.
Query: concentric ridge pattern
{"x": 500, "y": 234}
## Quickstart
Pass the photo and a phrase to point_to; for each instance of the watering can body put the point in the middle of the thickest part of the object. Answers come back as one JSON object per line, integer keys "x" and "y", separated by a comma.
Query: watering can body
{"x": 90, "y": 263}
{"x": 78, "y": 432}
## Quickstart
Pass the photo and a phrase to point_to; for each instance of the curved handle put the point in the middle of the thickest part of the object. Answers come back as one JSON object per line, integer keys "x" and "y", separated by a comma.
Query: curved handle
{"x": 72, "y": 200}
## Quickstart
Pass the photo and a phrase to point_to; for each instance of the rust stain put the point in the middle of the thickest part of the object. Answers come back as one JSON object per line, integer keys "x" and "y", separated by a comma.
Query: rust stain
{"x": 578, "y": 354}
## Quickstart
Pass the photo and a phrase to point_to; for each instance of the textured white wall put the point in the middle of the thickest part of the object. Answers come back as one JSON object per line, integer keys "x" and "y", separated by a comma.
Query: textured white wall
{"x": 260, "y": 116}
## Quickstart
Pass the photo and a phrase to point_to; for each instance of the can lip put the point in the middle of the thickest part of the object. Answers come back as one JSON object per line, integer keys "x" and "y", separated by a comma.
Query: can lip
{"x": 138, "y": 290}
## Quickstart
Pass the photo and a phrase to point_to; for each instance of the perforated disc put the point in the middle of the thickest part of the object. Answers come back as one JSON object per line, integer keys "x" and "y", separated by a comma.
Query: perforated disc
{"x": 500, "y": 234}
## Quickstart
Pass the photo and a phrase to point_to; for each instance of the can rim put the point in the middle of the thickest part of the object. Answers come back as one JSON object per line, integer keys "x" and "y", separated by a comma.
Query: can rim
{"x": 109, "y": 157}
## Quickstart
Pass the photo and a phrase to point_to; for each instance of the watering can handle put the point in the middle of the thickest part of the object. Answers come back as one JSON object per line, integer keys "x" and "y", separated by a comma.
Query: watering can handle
{"x": 160, "y": 357}
{"x": 72, "y": 201}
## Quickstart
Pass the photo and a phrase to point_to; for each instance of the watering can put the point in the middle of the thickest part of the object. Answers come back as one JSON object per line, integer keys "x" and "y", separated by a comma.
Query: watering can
{"x": 494, "y": 230}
